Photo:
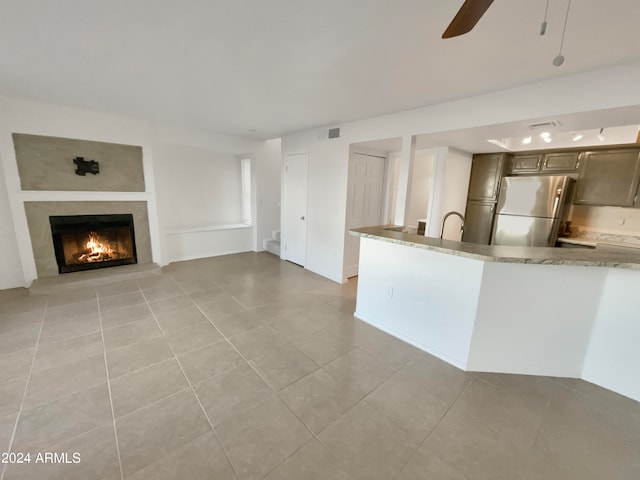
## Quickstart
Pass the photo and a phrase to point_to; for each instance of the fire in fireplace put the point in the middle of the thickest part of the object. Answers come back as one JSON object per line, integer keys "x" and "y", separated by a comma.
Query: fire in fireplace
{"x": 83, "y": 242}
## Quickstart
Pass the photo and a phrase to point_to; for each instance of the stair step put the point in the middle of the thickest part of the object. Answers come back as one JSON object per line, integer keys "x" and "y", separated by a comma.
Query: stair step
{"x": 273, "y": 246}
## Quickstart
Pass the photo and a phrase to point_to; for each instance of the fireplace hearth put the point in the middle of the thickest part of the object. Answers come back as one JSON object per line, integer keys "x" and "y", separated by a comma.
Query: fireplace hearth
{"x": 85, "y": 242}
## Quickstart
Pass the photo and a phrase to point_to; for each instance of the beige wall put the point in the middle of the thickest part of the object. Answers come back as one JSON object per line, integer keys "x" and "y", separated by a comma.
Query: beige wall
{"x": 46, "y": 163}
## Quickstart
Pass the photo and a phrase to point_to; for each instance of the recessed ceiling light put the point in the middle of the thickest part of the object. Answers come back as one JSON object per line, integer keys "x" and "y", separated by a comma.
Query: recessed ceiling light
{"x": 547, "y": 139}
{"x": 576, "y": 137}
{"x": 545, "y": 135}
{"x": 526, "y": 140}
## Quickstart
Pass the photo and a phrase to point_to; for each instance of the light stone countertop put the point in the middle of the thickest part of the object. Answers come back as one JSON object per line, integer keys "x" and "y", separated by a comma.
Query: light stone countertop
{"x": 601, "y": 256}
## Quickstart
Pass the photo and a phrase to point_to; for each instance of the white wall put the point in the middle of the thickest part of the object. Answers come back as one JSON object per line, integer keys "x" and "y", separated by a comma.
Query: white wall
{"x": 450, "y": 180}
{"x": 198, "y": 191}
{"x": 196, "y": 187}
{"x": 407, "y": 292}
{"x": 420, "y": 192}
{"x": 191, "y": 150}
{"x": 187, "y": 146}
{"x": 535, "y": 319}
{"x": 613, "y": 357}
{"x": 267, "y": 209}
{"x": 608, "y": 88}
{"x": 327, "y": 200}
{"x": 11, "y": 270}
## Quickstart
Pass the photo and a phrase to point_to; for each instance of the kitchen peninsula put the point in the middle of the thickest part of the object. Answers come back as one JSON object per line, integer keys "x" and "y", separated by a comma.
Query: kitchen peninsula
{"x": 523, "y": 310}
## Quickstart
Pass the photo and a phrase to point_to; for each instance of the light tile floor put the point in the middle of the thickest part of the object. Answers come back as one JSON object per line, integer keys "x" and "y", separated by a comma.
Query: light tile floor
{"x": 245, "y": 367}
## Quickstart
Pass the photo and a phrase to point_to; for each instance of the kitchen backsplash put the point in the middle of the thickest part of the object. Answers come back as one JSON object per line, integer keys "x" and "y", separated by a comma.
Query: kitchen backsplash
{"x": 605, "y": 223}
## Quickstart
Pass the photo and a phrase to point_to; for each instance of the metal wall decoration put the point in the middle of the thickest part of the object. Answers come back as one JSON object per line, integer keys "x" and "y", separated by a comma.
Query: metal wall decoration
{"x": 86, "y": 166}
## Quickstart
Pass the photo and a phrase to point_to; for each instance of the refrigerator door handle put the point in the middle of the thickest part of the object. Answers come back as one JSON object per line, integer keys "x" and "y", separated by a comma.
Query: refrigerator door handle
{"x": 556, "y": 202}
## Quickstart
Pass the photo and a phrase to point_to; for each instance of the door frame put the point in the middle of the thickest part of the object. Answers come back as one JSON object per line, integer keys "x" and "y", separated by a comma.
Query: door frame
{"x": 348, "y": 270}
{"x": 283, "y": 203}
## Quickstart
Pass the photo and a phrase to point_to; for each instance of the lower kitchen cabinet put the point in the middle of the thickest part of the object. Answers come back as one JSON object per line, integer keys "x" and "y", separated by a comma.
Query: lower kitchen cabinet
{"x": 478, "y": 222}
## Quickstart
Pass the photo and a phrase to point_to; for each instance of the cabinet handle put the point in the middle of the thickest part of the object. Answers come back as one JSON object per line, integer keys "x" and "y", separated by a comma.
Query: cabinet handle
{"x": 578, "y": 164}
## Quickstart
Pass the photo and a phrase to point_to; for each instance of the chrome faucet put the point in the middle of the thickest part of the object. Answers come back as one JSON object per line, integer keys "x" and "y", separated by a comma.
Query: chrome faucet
{"x": 444, "y": 220}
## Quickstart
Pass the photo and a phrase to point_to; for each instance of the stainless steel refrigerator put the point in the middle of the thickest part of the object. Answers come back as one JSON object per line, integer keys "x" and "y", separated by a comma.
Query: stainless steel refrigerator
{"x": 531, "y": 210}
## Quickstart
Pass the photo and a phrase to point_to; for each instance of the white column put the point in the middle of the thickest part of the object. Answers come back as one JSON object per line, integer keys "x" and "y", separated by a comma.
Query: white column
{"x": 404, "y": 179}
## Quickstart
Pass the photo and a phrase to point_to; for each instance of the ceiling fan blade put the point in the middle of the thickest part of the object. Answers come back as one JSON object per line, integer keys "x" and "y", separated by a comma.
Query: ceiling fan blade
{"x": 467, "y": 17}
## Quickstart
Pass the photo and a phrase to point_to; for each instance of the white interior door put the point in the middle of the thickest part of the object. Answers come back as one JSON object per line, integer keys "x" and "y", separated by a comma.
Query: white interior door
{"x": 295, "y": 208}
{"x": 364, "y": 202}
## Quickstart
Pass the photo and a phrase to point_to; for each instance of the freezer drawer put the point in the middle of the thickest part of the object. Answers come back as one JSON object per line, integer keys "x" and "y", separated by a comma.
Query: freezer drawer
{"x": 525, "y": 231}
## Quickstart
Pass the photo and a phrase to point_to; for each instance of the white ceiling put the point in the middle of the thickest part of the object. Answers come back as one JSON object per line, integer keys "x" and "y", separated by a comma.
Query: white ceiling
{"x": 285, "y": 65}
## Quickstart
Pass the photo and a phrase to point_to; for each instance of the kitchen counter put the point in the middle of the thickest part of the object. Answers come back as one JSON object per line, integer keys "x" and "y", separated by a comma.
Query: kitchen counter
{"x": 613, "y": 256}
{"x": 533, "y": 311}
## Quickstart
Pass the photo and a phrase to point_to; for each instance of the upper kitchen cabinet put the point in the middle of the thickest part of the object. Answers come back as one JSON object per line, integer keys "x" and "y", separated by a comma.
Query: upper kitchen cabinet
{"x": 565, "y": 162}
{"x": 528, "y": 163}
{"x": 557, "y": 162}
{"x": 486, "y": 171}
{"x": 609, "y": 177}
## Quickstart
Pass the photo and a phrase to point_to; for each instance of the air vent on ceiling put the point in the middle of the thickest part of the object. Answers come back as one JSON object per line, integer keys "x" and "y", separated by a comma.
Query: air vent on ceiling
{"x": 536, "y": 126}
{"x": 334, "y": 133}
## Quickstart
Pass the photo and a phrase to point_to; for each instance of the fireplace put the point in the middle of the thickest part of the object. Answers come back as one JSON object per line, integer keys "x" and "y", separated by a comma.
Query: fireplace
{"x": 85, "y": 242}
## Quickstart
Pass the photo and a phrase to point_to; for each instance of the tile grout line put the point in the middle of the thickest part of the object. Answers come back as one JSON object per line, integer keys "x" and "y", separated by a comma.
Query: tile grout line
{"x": 262, "y": 378}
{"x": 106, "y": 368}
{"x": 193, "y": 392}
{"x": 535, "y": 440}
{"x": 277, "y": 393}
{"x": 433, "y": 429}
{"x": 24, "y": 393}
{"x": 225, "y": 338}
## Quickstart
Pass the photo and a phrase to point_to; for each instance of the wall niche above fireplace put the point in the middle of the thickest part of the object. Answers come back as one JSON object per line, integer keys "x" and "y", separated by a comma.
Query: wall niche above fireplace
{"x": 85, "y": 242}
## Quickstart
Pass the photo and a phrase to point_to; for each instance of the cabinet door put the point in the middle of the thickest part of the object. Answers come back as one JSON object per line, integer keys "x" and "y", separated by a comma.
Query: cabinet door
{"x": 609, "y": 178}
{"x": 478, "y": 222}
{"x": 560, "y": 162}
{"x": 486, "y": 172}
{"x": 526, "y": 163}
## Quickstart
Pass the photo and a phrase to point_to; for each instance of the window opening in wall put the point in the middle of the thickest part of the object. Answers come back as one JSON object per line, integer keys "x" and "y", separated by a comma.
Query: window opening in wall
{"x": 245, "y": 166}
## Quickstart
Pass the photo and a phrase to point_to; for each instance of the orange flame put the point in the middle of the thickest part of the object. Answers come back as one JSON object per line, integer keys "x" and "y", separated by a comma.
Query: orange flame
{"x": 97, "y": 251}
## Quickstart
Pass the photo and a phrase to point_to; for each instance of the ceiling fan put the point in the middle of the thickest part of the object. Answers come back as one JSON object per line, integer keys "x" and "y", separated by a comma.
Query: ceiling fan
{"x": 467, "y": 17}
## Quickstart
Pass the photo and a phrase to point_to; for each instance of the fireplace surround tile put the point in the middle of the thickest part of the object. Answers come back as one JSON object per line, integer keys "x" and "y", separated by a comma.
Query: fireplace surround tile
{"x": 38, "y": 214}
